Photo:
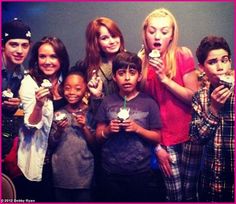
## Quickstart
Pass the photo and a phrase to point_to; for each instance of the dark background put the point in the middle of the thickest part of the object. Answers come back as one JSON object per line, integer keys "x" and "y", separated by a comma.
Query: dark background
{"x": 68, "y": 21}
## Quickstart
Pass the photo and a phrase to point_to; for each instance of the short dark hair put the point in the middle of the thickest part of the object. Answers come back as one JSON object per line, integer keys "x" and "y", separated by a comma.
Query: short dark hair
{"x": 126, "y": 59}
{"x": 211, "y": 43}
{"x": 73, "y": 71}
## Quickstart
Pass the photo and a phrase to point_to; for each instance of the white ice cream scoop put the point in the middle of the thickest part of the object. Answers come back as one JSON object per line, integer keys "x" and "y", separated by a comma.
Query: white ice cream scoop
{"x": 154, "y": 54}
{"x": 59, "y": 116}
{"x": 46, "y": 84}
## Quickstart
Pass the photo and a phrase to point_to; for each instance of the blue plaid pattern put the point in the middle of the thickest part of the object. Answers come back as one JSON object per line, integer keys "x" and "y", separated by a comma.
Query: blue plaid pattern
{"x": 173, "y": 183}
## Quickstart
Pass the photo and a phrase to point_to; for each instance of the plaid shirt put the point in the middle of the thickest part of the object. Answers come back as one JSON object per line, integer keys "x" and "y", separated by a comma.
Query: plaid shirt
{"x": 217, "y": 134}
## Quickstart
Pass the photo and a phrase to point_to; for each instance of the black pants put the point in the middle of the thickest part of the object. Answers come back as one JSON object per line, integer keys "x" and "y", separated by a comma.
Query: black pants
{"x": 37, "y": 191}
{"x": 141, "y": 187}
{"x": 72, "y": 195}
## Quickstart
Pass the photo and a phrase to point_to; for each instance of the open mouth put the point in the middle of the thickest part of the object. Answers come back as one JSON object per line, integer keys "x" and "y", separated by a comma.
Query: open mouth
{"x": 157, "y": 44}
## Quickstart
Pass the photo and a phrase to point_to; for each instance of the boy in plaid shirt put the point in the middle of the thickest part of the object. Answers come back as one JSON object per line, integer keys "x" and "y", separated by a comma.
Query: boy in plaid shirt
{"x": 212, "y": 126}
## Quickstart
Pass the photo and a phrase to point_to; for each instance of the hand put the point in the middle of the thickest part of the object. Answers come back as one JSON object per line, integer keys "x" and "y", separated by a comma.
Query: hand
{"x": 11, "y": 103}
{"x": 158, "y": 64}
{"x": 62, "y": 123}
{"x": 114, "y": 125}
{"x": 219, "y": 97}
{"x": 165, "y": 162}
{"x": 80, "y": 119}
{"x": 41, "y": 96}
{"x": 130, "y": 126}
{"x": 95, "y": 86}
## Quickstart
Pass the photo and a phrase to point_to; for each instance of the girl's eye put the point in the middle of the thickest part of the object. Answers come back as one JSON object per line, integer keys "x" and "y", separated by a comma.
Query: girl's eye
{"x": 103, "y": 37}
{"x": 151, "y": 31}
{"x": 164, "y": 32}
{"x": 54, "y": 56}
{"x": 42, "y": 56}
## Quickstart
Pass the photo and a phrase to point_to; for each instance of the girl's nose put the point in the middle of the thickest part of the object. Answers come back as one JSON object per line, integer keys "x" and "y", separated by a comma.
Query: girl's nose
{"x": 157, "y": 35}
{"x": 111, "y": 40}
{"x": 47, "y": 60}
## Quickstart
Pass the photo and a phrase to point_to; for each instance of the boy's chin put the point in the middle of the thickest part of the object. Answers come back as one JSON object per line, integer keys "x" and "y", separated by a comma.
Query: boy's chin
{"x": 127, "y": 92}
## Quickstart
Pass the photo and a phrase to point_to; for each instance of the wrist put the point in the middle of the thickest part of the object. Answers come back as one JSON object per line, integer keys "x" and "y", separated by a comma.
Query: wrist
{"x": 99, "y": 95}
{"x": 85, "y": 128}
{"x": 213, "y": 110}
{"x": 38, "y": 106}
{"x": 20, "y": 106}
{"x": 158, "y": 148}
{"x": 104, "y": 134}
{"x": 165, "y": 80}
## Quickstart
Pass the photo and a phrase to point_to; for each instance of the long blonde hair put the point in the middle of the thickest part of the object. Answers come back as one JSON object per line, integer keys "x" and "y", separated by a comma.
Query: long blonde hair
{"x": 171, "y": 50}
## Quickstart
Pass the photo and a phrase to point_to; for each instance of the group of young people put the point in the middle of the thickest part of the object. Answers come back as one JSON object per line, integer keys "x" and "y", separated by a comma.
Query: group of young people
{"x": 119, "y": 109}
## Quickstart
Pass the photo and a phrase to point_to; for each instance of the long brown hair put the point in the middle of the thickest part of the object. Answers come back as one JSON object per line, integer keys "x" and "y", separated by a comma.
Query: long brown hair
{"x": 93, "y": 51}
{"x": 60, "y": 51}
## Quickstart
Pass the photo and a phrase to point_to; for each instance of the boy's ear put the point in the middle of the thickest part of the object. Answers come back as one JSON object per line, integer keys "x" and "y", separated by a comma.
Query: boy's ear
{"x": 201, "y": 67}
{"x": 140, "y": 77}
{"x": 114, "y": 78}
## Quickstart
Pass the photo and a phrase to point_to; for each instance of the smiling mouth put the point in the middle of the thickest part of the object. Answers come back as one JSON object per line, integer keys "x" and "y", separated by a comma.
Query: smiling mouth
{"x": 113, "y": 47}
{"x": 18, "y": 58}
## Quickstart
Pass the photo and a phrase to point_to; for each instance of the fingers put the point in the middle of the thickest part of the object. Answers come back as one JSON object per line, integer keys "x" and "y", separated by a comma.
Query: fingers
{"x": 115, "y": 125}
{"x": 95, "y": 86}
{"x": 166, "y": 169}
{"x": 166, "y": 165}
{"x": 41, "y": 94}
{"x": 12, "y": 102}
{"x": 220, "y": 94}
{"x": 165, "y": 162}
{"x": 93, "y": 83}
{"x": 157, "y": 63}
{"x": 129, "y": 126}
{"x": 80, "y": 118}
{"x": 63, "y": 123}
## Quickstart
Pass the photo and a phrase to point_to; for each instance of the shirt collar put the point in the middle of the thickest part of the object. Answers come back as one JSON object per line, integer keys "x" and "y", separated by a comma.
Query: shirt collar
{"x": 18, "y": 72}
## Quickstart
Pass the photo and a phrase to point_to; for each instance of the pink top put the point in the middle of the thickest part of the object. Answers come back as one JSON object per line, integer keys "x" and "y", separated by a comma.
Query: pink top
{"x": 175, "y": 114}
